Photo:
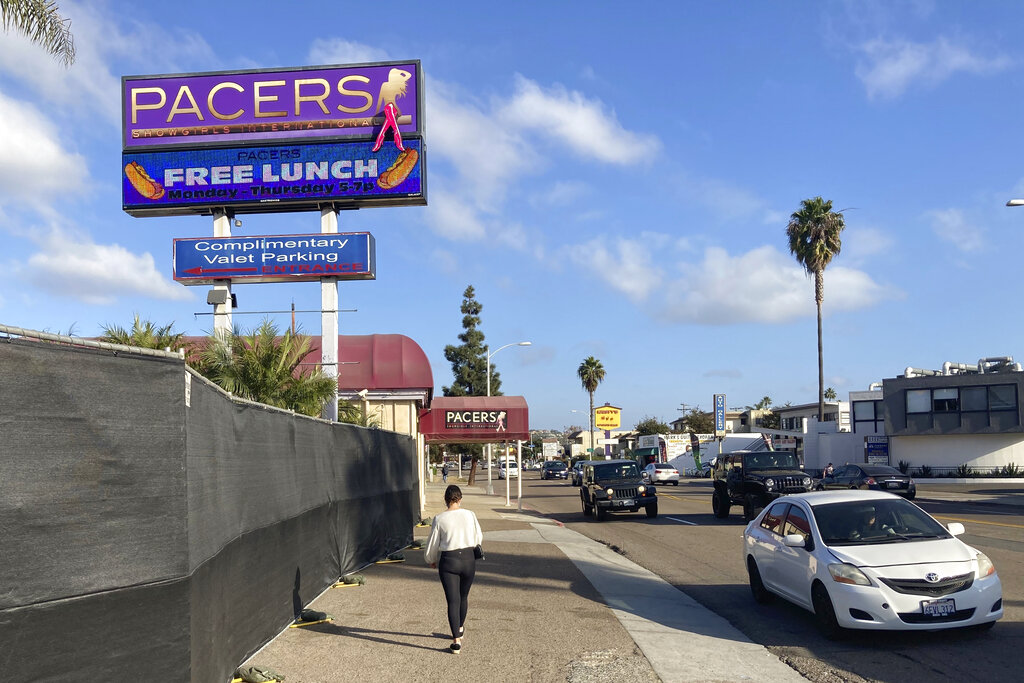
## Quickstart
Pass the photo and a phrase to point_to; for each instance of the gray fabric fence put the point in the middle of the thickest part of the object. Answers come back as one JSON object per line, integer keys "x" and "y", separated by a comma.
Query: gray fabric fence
{"x": 152, "y": 528}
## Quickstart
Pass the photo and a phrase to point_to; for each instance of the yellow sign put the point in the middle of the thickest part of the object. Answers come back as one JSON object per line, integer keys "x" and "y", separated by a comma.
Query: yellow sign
{"x": 607, "y": 417}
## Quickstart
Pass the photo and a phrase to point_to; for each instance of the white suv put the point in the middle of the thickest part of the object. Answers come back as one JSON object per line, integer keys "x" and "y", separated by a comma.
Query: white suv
{"x": 508, "y": 468}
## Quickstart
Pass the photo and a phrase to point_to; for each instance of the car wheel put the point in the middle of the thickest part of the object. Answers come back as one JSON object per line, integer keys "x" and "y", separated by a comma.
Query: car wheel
{"x": 757, "y": 589}
{"x": 586, "y": 508}
{"x": 910, "y": 496}
{"x": 720, "y": 504}
{"x": 652, "y": 511}
{"x": 675, "y": 483}
{"x": 599, "y": 513}
{"x": 825, "y": 613}
{"x": 750, "y": 507}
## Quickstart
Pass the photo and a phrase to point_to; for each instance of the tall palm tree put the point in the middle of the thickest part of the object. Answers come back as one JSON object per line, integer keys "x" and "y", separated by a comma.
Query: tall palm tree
{"x": 262, "y": 366}
{"x": 42, "y": 23}
{"x": 591, "y": 373}
{"x": 813, "y": 233}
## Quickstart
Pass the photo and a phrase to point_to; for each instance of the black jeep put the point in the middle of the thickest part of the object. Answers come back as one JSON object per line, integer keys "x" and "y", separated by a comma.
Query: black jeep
{"x": 755, "y": 479}
{"x": 615, "y": 486}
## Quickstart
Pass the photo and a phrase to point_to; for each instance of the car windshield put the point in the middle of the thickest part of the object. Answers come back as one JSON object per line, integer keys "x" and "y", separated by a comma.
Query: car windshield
{"x": 616, "y": 471}
{"x": 772, "y": 460}
{"x": 862, "y": 522}
{"x": 555, "y": 465}
{"x": 663, "y": 466}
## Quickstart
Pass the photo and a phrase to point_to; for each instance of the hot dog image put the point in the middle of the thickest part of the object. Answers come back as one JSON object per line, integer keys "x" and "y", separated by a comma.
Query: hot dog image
{"x": 140, "y": 180}
{"x": 398, "y": 171}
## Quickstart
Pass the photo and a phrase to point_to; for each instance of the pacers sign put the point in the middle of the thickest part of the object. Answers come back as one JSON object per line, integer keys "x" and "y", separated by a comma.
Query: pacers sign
{"x": 607, "y": 417}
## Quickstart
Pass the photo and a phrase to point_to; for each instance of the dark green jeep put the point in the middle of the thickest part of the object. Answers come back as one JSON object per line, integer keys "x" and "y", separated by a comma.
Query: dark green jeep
{"x": 615, "y": 486}
{"x": 754, "y": 479}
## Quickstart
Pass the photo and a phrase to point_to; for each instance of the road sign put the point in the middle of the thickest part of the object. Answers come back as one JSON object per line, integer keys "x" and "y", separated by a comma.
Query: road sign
{"x": 719, "y": 414}
{"x": 275, "y": 258}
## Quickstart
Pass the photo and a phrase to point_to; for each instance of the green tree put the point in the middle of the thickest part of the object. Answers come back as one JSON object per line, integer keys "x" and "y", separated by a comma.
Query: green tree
{"x": 651, "y": 425}
{"x": 764, "y": 404}
{"x": 352, "y": 413}
{"x": 264, "y": 367}
{"x": 144, "y": 334}
{"x": 42, "y": 23}
{"x": 813, "y": 233}
{"x": 469, "y": 359}
{"x": 830, "y": 394}
{"x": 698, "y": 421}
{"x": 591, "y": 374}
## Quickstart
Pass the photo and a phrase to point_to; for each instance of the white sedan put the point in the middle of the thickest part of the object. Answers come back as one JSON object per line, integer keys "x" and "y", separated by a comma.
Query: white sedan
{"x": 660, "y": 473}
{"x": 869, "y": 560}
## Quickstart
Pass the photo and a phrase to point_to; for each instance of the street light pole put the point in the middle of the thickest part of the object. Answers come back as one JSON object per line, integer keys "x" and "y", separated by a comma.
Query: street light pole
{"x": 489, "y": 354}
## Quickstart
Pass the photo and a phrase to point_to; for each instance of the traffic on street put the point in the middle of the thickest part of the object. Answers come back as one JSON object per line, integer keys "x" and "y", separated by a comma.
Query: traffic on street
{"x": 702, "y": 555}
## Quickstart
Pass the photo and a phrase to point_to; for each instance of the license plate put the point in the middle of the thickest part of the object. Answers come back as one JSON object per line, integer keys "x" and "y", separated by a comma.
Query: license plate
{"x": 938, "y": 608}
{"x": 893, "y": 484}
{"x": 624, "y": 503}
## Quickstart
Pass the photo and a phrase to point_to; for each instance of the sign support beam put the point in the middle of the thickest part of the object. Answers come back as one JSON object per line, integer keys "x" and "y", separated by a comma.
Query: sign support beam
{"x": 329, "y": 320}
{"x": 222, "y": 327}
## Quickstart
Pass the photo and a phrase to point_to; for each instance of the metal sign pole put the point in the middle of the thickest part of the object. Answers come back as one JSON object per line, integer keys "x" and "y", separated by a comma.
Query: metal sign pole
{"x": 220, "y": 295}
{"x": 519, "y": 455}
{"x": 329, "y": 320}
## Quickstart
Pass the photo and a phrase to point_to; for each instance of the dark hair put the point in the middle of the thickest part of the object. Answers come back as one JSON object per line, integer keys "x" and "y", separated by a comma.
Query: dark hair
{"x": 452, "y": 494}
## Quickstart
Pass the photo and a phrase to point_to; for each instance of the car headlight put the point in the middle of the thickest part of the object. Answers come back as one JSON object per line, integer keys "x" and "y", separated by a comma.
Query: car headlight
{"x": 641, "y": 489}
{"x": 610, "y": 492}
{"x": 807, "y": 482}
{"x": 847, "y": 573}
{"x": 985, "y": 566}
{"x": 769, "y": 484}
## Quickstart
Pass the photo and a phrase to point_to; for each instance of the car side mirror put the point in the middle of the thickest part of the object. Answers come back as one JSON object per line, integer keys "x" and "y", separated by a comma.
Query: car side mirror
{"x": 955, "y": 528}
{"x": 793, "y": 541}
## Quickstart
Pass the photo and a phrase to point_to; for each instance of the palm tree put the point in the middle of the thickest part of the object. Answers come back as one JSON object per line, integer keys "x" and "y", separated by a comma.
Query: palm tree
{"x": 41, "y": 22}
{"x": 813, "y": 233}
{"x": 143, "y": 334}
{"x": 263, "y": 367}
{"x": 591, "y": 373}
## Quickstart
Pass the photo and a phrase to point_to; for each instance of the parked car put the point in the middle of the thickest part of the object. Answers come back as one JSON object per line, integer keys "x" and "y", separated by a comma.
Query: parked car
{"x": 869, "y": 560}
{"x": 615, "y": 486}
{"x": 874, "y": 477}
{"x": 660, "y": 472}
{"x": 576, "y": 473}
{"x": 554, "y": 469}
{"x": 753, "y": 479}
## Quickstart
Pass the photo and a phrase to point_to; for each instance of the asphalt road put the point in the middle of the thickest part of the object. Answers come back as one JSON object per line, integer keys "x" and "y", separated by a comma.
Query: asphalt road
{"x": 702, "y": 556}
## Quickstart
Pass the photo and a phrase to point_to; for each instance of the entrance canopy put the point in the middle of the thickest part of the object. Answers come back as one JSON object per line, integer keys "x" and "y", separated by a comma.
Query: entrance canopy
{"x": 476, "y": 419}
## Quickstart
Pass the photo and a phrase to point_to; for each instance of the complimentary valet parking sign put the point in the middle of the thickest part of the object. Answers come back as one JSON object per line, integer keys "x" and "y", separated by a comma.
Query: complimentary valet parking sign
{"x": 275, "y": 258}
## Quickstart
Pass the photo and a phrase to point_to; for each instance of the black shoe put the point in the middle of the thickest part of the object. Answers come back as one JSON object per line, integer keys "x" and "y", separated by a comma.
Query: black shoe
{"x": 455, "y": 648}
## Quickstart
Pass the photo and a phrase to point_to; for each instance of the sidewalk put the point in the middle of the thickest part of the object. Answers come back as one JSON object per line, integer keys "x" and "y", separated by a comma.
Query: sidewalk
{"x": 548, "y": 604}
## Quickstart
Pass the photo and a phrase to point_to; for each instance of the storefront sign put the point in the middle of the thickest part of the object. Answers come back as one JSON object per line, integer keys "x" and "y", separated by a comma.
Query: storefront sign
{"x": 607, "y": 417}
{"x": 253, "y": 107}
{"x": 719, "y": 414}
{"x": 275, "y": 258}
{"x": 876, "y": 450}
{"x": 272, "y": 179}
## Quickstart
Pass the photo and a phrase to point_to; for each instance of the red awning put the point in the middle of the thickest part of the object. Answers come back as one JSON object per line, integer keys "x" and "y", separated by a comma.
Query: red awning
{"x": 476, "y": 419}
{"x": 378, "y": 361}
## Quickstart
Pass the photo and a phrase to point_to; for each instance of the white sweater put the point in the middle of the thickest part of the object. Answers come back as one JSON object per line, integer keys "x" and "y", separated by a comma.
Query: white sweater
{"x": 452, "y": 530}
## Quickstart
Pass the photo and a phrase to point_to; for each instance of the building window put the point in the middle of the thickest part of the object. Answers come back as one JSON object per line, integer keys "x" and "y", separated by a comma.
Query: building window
{"x": 1002, "y": 397}
{"x": 945, "y": 400}
{"x": 973, "y": 399}
{"x": 919, "y": 401}
{"x": 863, "y": 411}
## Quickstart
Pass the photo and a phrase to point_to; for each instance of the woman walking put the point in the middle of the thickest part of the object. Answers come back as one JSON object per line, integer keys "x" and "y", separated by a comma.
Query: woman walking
{"x": 454, "y": 536}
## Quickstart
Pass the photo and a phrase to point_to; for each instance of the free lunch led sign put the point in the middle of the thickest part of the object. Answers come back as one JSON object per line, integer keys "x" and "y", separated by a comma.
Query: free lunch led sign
{"x": 254, "y": 107}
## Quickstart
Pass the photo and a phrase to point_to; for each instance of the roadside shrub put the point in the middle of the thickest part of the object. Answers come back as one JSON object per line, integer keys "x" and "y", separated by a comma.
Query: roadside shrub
{"x": 904, "y": 466}
{"x": 924, "y": 471}
{"x": 1010, "y": 470}
{"x": 964, "y": 471}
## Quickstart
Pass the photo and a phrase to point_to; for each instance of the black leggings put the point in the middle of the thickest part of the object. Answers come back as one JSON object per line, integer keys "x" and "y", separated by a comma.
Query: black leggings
{"x": 457, "y": 569}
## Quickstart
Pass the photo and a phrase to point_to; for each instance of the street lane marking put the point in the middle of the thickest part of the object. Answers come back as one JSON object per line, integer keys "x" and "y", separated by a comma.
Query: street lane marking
{"x": 676, "y": 519}
{"x": 978, "y": 521}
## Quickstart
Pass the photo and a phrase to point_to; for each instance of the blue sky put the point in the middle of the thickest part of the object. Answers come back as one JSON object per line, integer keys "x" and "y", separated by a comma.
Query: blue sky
{"x": 613, "y": 179}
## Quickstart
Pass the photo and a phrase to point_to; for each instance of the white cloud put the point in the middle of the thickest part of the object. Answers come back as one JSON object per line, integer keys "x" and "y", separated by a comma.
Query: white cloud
{"x": 764, "y": 286}
{"x": 951, "y": 226}
{"x": 338, "y": 51}
{"x": 562, "y": 193}
{"x": 89, "y": 84}
{"x": 34, "y": 167}
{"x": 582, "y": 124}
{"x": 859, "y": 244}
{"x": 891, "y": 67}
{"x": 624, "y": 265}
{"x": 453, "y": 218}
{"x": 74, "y": 266}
